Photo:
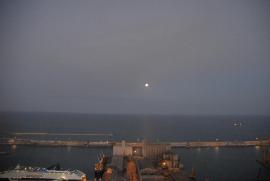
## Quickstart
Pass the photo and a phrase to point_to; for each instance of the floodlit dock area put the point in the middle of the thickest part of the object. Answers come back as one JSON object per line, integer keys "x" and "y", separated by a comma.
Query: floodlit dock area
{"x": 146, "y": 162}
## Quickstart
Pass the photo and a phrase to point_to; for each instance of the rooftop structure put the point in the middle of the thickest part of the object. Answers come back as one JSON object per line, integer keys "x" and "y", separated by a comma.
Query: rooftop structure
{"x": 140, "y": 149}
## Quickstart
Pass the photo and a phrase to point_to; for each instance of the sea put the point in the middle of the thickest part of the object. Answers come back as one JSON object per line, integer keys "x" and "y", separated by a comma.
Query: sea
{"x": 212, "y": 164}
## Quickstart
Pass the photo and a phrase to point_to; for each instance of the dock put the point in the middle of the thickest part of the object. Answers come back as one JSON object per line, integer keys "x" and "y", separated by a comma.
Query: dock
{"x": 144, "y": 161}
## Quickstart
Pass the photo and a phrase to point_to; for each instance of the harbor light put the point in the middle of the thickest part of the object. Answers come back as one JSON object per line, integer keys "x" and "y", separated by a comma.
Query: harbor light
{"x": 109, "y": 171}
{"x": 63, "y": 177}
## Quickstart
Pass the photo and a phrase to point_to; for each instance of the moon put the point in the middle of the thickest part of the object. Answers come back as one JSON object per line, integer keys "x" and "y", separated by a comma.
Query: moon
{"x": 146, "y": 85}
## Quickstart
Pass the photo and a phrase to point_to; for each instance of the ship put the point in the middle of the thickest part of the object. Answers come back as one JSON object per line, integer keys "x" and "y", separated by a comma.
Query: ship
{"x": 42, "y": 174}
{"x": 100, "y": 167}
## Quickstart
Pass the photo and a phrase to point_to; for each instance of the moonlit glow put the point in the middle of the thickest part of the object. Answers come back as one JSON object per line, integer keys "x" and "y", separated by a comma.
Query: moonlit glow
{"x": 146, "y": 85}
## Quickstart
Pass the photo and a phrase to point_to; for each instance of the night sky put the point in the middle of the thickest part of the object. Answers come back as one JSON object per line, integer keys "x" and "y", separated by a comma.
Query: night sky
{"x": 199, "y": 57}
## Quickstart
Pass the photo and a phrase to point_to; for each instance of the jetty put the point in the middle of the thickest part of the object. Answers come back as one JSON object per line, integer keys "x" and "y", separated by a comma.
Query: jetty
{"x": 86, "y": 143}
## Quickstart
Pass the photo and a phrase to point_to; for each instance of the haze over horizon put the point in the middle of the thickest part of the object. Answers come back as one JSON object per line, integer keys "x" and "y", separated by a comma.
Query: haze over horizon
{"x": 207, "y": 57}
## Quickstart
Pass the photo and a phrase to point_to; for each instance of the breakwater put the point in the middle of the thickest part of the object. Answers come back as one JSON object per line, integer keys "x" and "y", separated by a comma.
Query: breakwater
{"x": 183, "y": 144}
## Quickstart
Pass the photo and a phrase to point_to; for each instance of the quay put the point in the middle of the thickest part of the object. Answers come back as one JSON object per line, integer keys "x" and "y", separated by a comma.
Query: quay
{"x": 144, "y": 161}
{"x": 181, "y": 144}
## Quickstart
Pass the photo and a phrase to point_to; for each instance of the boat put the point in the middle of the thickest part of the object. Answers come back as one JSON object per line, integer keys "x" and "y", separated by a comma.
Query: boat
{"x": 237, "y": 124}
{"x": 42, "y": 174}
{"x": 100, "y": 167}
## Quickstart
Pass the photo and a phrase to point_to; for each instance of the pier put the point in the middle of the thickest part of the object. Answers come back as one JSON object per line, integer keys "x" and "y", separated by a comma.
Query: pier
{"x": 134, "y": 145}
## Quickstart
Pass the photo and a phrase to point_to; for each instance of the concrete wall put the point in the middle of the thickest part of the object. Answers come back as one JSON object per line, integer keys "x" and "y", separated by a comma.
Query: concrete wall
{"x": 151, "y": 151}
{"x": 122, "y": 149}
